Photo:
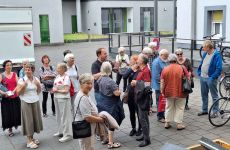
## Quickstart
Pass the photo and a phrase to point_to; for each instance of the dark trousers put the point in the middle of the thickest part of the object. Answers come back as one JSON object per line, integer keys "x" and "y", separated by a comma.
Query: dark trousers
{"x": 119, "y": 77}
{"x": 133, "y": 110}
{"x": 186, "y": 104}
{"x": 160, "y": 115}
{"x": 44, "y": 102}
{"x": 144, "y": 120}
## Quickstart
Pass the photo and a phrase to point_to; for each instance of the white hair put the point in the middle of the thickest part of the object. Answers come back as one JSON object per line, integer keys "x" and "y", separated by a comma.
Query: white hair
{"x": 152, "y": 44}
{"x": 106, "y": 68}
{"x": 163, "y": 52}
{"x": 85, "y": 78}
{"x": 172, "y": 58}
{"x": 121, "y": 49}
{"x": 68, "y": 56}
{"x": 147, "y": 50}
{"x": 178, "y": 51}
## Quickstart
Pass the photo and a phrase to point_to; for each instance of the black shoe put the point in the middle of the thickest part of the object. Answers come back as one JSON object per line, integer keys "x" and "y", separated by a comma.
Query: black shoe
{"x": 144, "y": 143}
{"x": 132, "y": 132}
{"x": 186, "y": 107}
{"x": 202, "y": 113}
{"x": 139, "y": 132}
{"x": 140, "y": 138}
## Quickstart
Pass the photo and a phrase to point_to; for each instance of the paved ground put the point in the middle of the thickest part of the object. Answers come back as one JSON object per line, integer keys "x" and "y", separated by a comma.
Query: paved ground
{"x": 85, "y": 54}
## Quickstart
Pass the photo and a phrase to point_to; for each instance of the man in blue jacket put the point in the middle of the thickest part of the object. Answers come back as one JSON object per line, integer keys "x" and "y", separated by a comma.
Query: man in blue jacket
{"x": 209, "y": 70}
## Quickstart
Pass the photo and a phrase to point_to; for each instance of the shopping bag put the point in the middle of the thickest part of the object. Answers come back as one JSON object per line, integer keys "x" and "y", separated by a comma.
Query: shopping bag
{"x": 162, "y": 103}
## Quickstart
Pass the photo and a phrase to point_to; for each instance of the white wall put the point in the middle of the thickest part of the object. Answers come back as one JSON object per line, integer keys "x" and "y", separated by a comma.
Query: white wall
{"x": 130, "y": 16}
{"x": 68, "y": 9}
{"x": 165, "y": 18}
{"x": 92, "y": 13}
{"x": 43, "y": 7}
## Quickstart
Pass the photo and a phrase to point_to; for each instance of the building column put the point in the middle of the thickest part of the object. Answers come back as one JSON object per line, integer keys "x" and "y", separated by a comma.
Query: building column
{"x": 78, "y": 11}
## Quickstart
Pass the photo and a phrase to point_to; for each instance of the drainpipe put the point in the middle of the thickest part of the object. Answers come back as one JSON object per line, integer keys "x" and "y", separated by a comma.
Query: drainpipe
{"x": 78, "y": 10}
{"x": 155, "y": 17}
{"x": 193, "y": 18}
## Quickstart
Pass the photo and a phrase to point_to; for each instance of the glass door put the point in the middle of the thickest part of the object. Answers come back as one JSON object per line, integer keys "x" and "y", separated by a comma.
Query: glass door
{"x": 44, "y": 28}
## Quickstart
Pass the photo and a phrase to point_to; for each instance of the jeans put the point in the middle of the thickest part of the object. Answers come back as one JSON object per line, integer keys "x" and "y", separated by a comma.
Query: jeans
{"x": 160, "y": 115}
{"x": 206, "y": 85}
{"x": 44, "y": 102}
{"x": 97, "y": 96}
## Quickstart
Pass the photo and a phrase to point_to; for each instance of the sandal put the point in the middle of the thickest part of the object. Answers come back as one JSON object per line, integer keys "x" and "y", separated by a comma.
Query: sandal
{"x": 11, "y": 134}
{"x": 31, "y": 145}
{"x": 114, "y": 145}
{"x": 180, "y": 127}
{"x": 36, "y": 141}
{"x": 167, "y": 125}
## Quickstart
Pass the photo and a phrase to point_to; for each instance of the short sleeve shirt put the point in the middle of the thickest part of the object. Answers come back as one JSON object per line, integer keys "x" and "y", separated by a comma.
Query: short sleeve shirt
{"x": 48, "y": 71}
{"x": 86, "y": 106}
{"x": 59, "y": 83}
{"x": 30, "y": 95}
{"x": 73, "y": 74}
{"x": 96, "y": 68}
{"x": 107, "y": 86}
{"x": 144, "y": 75}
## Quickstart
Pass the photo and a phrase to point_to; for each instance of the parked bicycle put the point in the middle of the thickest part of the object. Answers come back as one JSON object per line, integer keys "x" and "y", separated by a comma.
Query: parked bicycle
{"x": 224, "y": 50}
{"x": 222, "y": 116}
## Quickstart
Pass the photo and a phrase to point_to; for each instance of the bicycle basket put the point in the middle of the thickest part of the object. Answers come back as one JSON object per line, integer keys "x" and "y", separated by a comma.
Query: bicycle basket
{"x": 226, "y": 68}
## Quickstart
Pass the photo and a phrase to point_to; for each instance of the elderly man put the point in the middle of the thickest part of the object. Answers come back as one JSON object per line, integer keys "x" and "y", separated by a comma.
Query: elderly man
{"x": 96, "y": 69}
{"x": 157, "y": 66}
{"x": 209, "y": 70}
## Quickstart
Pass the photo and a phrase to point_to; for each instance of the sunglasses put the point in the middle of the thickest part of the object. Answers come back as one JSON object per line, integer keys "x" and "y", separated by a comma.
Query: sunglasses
{"x": 179, "y": 54}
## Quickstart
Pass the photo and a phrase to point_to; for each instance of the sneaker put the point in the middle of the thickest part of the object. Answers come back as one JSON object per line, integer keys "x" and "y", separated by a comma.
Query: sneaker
{"x": 58, "y": 135}
{"x": 214, "y": 115}
{"x": 45, "y": 115}
{"x": 31, "y": 145}
{"x": 65, "y": 139}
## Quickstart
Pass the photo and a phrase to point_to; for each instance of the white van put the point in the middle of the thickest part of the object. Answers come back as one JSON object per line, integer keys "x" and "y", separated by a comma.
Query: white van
{"x": 16, "y": 35}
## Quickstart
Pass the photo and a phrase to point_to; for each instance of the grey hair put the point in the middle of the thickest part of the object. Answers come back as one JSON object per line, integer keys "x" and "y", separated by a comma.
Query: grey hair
{"x": 172, "y": 58}
{"x": 121, "y": 49}
{"x": 62, "y": 65}
{"x": 68, "y": 56}
{"x": 178, "y": 51}
{"x": 106, "y": 68}
{"x": 163, "y": 52}
{"x": 85, "y": 78}
{"x": 152, "y": 44}
{"x": 147, "y": 50}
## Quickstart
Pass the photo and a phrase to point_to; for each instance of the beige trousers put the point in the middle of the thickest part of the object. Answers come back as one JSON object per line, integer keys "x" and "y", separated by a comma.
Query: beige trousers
{"x": 174, "y": 110}
{"x": 63, "y": 116}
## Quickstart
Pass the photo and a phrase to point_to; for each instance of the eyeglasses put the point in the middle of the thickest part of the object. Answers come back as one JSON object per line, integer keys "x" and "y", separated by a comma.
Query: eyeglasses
{"x": 179, "y": 54}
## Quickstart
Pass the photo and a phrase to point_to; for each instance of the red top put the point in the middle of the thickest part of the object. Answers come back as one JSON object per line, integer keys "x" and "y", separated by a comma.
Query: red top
{"x": 144, "y": 74}
{"x": 10, "y": 84}
{"x": 172, "y": 76}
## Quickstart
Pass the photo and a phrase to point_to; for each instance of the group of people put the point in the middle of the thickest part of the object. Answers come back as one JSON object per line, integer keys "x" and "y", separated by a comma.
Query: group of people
{"x": 149, "y": 71}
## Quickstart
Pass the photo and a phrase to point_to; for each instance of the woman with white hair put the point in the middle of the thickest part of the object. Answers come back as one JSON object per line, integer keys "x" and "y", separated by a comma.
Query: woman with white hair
{"x": 182, "y": 60}
{"x": 62, "y": 103}
{"x": 72, "y": 72}
{"x": 123, "y": 60}
{"x": 110, "y": 99}
{"x": 87, "y": 110}
{"x": 171, "y": 88}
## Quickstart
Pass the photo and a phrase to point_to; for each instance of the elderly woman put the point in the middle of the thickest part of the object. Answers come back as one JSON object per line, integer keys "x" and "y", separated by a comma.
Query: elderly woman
{"x": 62, "y": 103}
{"x": 171, "y": 88}
{"x": 123, "y": 60}
{"x": 72, "y": 72}
{"x": 10, "y": 105}
{"x": 144, "y": 75}
{"x": 29, "y": 88}
{"x": 47, "y": 75}
{"x": 131, "y": 74}
{"x": 157, "y": 66}
{"x": 110, "y": 99}
{"x": 22, "y": 71}
{"x": 87, "y": 110}
{"x": 182, "y": 60}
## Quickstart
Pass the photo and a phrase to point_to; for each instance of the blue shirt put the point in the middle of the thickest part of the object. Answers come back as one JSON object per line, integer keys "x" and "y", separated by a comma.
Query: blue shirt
{"x": 21, "y": 73}
{"x": 157, "y": 67}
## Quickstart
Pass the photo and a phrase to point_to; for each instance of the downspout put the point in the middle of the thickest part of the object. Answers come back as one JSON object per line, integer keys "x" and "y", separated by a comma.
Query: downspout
{"x": 193, "y": 19}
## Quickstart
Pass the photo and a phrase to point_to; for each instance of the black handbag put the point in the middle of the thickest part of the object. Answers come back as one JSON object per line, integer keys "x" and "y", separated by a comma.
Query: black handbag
{"x": 81, "y": 129}
{"x": 186, "y": 85}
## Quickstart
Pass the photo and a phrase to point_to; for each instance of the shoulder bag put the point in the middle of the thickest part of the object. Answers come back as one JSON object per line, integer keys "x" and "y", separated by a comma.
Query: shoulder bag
{"x": 186, "y": 85}
{"x": 81, "y": 129}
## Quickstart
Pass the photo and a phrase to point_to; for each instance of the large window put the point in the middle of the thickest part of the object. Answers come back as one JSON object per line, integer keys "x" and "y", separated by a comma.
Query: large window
{"x": 114, "y": 20}
{"x": 146, "y": 18}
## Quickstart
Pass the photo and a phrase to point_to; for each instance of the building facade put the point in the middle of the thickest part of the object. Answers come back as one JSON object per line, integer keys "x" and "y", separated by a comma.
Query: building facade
{"x": 199, "y": 18}
{"x": 51, "y": 20}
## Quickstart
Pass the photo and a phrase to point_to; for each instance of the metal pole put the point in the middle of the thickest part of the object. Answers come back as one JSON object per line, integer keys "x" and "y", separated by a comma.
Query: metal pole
{"x": 119, "y": 40}
{"x": 192, "y": 48}
{"x": 130, "y": 45}
{"x": 109, "y": 44}
{"x": 155, "y": 17}
{"x": 174, "y": 18}
{"x": 173, "y": 44}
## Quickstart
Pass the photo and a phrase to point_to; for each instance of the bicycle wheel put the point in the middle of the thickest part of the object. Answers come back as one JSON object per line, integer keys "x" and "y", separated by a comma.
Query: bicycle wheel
{"x": 222, "y": 115}
{"x": 224, "y": 86}
{"x": 201, "y": 51}
{"x": 225, "y": 54}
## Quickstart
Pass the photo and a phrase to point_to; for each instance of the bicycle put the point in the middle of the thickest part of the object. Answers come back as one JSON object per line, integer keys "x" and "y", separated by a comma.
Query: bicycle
{"x": 222, "y": 115}
{"x": 224, "y": 50}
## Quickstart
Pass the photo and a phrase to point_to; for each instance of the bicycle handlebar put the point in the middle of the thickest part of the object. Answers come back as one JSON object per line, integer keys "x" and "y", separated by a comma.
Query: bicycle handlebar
{"x": 210, "y": 36}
